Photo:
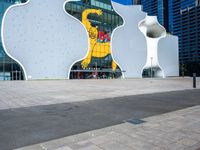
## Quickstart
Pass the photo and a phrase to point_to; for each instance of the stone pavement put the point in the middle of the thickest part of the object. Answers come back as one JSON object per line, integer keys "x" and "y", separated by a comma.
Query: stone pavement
{"x": 179, "y": 130}
{"x": 36, "y": 93}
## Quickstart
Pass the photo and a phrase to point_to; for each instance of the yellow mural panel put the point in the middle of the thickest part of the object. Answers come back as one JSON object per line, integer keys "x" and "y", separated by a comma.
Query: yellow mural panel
{"x": 97, "y": 49}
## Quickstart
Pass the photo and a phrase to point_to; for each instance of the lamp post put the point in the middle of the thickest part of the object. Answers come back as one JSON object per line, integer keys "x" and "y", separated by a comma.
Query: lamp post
{"x": 151, "y": 67}
{"x": 96, "y": 69}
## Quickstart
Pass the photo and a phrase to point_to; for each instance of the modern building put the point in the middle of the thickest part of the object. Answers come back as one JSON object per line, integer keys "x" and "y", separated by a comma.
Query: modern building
{"x": 9, "y": 69}
{"x": 190, "y": 37}
{"x": 50, "y": 43}
{"x": 181, "y": 18}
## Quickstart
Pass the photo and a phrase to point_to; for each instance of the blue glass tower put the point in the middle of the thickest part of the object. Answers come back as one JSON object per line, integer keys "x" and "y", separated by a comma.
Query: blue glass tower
{"x": 184, "y": 21}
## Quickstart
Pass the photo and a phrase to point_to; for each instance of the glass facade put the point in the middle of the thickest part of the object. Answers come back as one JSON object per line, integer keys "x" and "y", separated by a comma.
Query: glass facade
{"x": 9, "y": 69}
{"x": 100, "y": 20}
{"x": 184, "y": 22}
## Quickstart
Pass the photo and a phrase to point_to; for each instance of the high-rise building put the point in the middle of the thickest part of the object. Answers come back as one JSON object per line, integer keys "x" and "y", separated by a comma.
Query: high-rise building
{"x": 190, "y": 37}
{"x": 181, "y": 18}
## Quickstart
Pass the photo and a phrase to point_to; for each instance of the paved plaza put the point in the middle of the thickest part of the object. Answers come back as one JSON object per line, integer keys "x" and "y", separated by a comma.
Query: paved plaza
{"x": 95, "y": 114}
{"x": 35, "y": 93}
{"x": 179, "y": 130}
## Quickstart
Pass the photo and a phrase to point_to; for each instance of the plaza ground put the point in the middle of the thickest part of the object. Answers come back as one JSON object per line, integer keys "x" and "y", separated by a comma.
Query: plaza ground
{"x": 33, "y": 112}
{"x": 19, "y": 94}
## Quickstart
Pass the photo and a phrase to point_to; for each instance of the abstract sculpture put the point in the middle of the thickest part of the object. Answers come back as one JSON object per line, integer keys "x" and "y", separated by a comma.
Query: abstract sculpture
{"x": 162, "y": 49}
{"x": 149, "y": 51}
{"x": 153, "y": 32}
{"x": 129, "y": 47}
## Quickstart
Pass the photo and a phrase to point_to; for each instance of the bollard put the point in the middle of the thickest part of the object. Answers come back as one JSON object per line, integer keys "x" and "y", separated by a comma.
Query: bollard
{"x": 194, "y": 80}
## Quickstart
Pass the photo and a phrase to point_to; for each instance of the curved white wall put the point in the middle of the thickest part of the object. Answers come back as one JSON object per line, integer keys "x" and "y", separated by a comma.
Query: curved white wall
{"x": 153, "y": 32}
{"x": 168, "y": 55}
{"x": 43, "y": 38}
{"x": 46, "y": 41}
{"x": 129, "y": 47}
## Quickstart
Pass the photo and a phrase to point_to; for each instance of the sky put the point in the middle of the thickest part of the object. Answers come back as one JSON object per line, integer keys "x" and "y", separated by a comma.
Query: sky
{"x": 125, "y": 2}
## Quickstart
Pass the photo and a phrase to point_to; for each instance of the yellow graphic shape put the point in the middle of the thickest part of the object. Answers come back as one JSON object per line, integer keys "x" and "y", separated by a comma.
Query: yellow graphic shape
{"x": 97, "y": 49}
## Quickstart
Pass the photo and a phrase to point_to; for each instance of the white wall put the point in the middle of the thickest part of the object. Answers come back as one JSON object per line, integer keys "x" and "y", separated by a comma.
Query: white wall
{"x": 43, "y": 38}
{"x": 129, "y": 48}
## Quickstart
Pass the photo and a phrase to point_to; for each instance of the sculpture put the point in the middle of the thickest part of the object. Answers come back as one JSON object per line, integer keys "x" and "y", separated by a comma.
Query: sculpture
{"x": 162, "y": 49}
{"x": 153, "y": 32}
{"x": 129, "y": 47}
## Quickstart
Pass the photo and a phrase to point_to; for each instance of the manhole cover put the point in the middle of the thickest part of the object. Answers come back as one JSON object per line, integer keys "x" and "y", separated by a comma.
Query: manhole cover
{"x": 135, "y": 121}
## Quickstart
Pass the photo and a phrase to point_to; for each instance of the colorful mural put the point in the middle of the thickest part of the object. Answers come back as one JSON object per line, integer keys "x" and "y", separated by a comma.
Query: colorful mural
{"x": 100, "y": 20}
{"x": 98, "y": 47}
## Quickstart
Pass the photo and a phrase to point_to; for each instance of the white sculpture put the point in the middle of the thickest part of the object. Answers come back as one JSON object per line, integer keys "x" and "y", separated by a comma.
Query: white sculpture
{"x": 168, "y": 55}
{"x": 162, "y": 55}
{"x": 129, "y": 47}
{"x": 153, "y": 32}
{"x": 43, "y": 38}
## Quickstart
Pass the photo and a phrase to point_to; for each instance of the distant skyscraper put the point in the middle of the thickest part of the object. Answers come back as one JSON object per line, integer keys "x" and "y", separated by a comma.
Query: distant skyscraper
{"x": 184, "y": 21}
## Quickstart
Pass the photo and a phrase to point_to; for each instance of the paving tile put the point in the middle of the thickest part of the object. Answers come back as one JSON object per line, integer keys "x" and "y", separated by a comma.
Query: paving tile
{"x": 187, "y": 142}
{"x": 114, "y": 146}
{"x": 65, "y": 141}
{"x": 194, "y": 147}
{"x": 99, "y": 140}
{"x": 175, "y": 146}
{"x": 81, "y": 144}
{"x": 63, "y": 148}
{"x": 175, "y": 136}
{"x": 91, "y": 147}
{"x": 34, "y": 147}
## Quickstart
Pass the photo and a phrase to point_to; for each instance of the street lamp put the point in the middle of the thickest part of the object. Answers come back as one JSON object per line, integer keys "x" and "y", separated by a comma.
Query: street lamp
{"x": 96, "y": 69}
{"x": 151, "y": 67}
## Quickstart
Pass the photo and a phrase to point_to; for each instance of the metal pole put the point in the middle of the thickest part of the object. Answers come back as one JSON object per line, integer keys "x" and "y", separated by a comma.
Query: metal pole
{"x": 194, "y": 80}
{"x": 11, "y": 75}
{"x": 151, "y": 67}
{"x": 96, "y": 69}
{"x": 20, "y": 75}
{"x": 16, "y": 75}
